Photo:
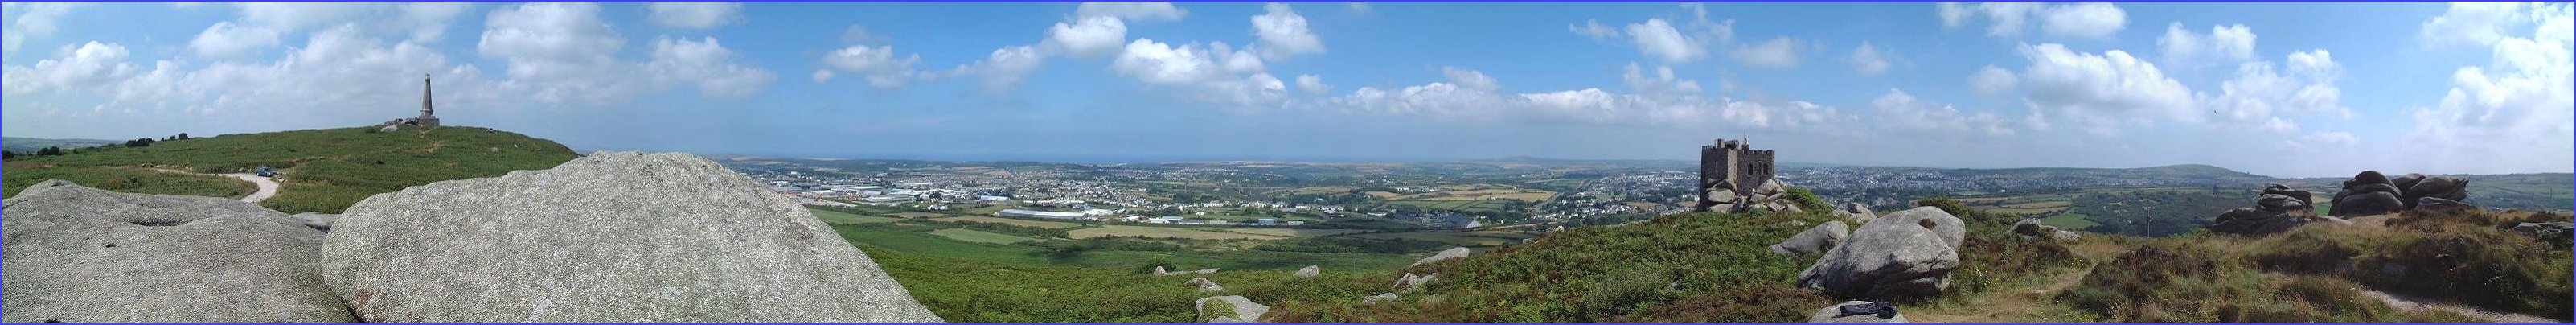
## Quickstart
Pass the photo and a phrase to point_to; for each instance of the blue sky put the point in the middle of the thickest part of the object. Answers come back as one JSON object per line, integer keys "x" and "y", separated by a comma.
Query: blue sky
{"x": 2283, "y": 89}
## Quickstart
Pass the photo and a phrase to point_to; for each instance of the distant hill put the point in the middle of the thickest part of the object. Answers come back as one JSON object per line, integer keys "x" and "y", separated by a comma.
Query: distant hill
{"x": 323, "y": 170}
{"x": 26, "y": 145}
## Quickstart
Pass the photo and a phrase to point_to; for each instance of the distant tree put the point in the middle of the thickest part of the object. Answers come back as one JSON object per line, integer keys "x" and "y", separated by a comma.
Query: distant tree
{"x": 183, "y": 135}
{"x": 8, "y": 155}
{"x": 143, "y": 142}
{"x": 50, "y": 151}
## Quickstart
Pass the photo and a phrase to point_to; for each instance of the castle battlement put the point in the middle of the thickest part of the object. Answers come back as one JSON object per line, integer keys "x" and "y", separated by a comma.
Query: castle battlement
{"x": 1731, "y": 165}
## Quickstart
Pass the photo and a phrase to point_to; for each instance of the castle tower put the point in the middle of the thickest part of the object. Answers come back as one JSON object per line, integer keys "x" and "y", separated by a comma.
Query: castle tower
{"x": 1730, "y": 165}
{"x": 428, "y": 117}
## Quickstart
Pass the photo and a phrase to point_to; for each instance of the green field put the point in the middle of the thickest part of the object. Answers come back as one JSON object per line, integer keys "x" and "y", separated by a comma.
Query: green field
{"x": 878, "y": 237}
{"x": 830, "y": 216}
{"x": 326, "y": 170}
{"x": 978, "y": 236}
{"x": 1163, "y": 232}
{"x": 2069, "y": 221}
{"x": 1460, "y": 238}
{"x": 1016, "y": 222}
{"x": 127, "y": 179}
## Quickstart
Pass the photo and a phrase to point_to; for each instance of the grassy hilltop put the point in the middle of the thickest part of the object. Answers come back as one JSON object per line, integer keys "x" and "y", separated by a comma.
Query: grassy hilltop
{"x": 323, "y": 170}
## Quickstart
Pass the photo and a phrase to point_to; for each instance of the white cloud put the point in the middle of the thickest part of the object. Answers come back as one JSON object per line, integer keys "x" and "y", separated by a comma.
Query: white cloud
{"x": 1867, "y": 60}
{"x": 1006, "y": 67}
{"x": 1213, "y": 73}
{"x": 695, "y": 15}
{"x": 1902, "y": 111}
{"x": 1155, "y": 62}
{"x": 2512, "y": 115}
{"x": 1471, "y": 79}
{"x": 710, "y": 65}
{"x": 2006, "y": 19}
{"x": 1594, "y": 29}
{"x": 2477, "y": 23}
{"x": 1992, "y": 80}
{"x": 1361, "y": 7}
{"x": 2224, "y": 44}
{"x": 1090, "y": 36}
{"x": 295, "y": 16}
{"x": 1236, "y": 61}
{"x": 822, "y": 75}
{"x": 429, "y": 20}
{"x": 225, "y": 39}
{"x": 1658, "y": 103}
{"x": 1283, "y": 33}
{"x": 1658, "y": 38}
{"x": 91, "y": 65}
{"x": 2101, "y": 91}
{"x": 1139, "y": 11}
{"x": 1661, "y": 82}
{"x": 562, "y": 52}
{"x": 2259, "y": 93}
{"x": 1777, "y": 53}
{"x": 1313, "y": 85}
{"x": 883, "y": 68}
{"x": 35, "y": 19}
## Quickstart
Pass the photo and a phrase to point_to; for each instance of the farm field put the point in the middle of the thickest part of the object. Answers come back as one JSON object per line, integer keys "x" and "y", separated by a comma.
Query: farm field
{"x": 1015, "y": 222}
{"x": 972, "y": 235}
{"x": 1483, "y": 194}
{"x": 830, "y": 216}
{"x": 873, "y": 238}
{"x": 1466, "y": 238}
{"x": 915, "y": 215}
{"x": 1163, "y": 232}
{"x": 1293, "y": 232}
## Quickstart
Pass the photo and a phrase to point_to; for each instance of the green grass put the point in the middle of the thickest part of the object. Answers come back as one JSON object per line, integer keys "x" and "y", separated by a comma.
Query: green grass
{"x": 2069, "y": 220}
{"x": 326, "y": 170}
{"x": 972, "y": 235}
{"x": 896, "y": 239}
{"x": 127, "y": 179}
{"x": 831, "y": 216}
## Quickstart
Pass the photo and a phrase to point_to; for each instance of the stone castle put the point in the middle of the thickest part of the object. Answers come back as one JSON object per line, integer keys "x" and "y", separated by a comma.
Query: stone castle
{"x": 1730, "y": 165}
{"x": 428, "y": 117}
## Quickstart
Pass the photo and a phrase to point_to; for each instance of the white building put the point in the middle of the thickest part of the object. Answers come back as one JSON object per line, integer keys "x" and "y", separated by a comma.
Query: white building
{"x": 1040, "y": 214}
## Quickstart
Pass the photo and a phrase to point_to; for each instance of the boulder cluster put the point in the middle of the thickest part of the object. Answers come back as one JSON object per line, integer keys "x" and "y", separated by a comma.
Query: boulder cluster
{"x": 613, "y": 237}
{"x": 2372, "y": 193}
{"x": 1903, "y": 255}
{"x": 2278, "y": 209}
{"x": 2033, "y": 228}
{"x": 1771, "y": 195}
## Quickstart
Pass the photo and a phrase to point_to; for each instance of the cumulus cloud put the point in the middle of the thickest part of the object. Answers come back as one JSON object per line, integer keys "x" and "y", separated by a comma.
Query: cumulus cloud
{"x": 1868, "y": 61}
{"x": 1901, "y": 111}
{"x": 1594, "y": 29}
{"x": 1006, "y": 67}
{"x": 1087, "y": 36}
{"x": 2260, "y": 92}
{"x": 694, "y": 15}
{"x": 1140, "y": 11}
{"x": 2102, "y": 91}
{"x": 1993, "y": 80}
{"x": 2008, "y": 19}
{"x": 1155, "y": 62}
{"x": 1658, "y": 38}
{"x": 35, "y": 19}
{"x": 2224, "y": 44}
{"x": 90, "y": 65}
{"x": 1283, "y": 33}
{"x": 225, "y": 39}
{"x": 880, "y": 64}
{"x": 293, "y": 16}
{"x": 1471, "y": 79}
{"x": 1664, "y": 39}
{"x": 2510, "y": 115}
{"x": 1661, "y": 100}
{"x": 823, "y": 75}
{"x": 1313, "y": 85}
{"x": 710, "y": 65}
{"x": 2478, "y": 23}
{"x": 564, "y": 53}
{"x": 1661, "y": 82}
{"x": 1777, "y": 53}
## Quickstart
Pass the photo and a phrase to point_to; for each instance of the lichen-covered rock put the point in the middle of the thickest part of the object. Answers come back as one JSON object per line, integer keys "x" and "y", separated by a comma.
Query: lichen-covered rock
{"x": 2253, "y": 222}
{"x": 1953, "y": 231}
{"x": 1450, "y": 254}
{"x": 1229, "y": 309}
{"x": 2452, "y": 188}
{"x": 2364, "y": 204}
{"x": 1854, "y": 213}
{"x": 2406, "y": 181}
{"x": 1901, "y": 255}
{"x": 613, "y": 237}
{"x": 2366, "y": 177}
{"x": 82, "y": 255}
{"x": 1310, "y": 271}
{"x": 2279, "y": 203}
{"x": 1835, "y": 314}
{"x": 1815, "y": 240}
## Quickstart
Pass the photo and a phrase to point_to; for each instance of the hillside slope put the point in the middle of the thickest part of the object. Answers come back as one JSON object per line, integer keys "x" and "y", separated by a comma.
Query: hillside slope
{"x": 323, "y": 170}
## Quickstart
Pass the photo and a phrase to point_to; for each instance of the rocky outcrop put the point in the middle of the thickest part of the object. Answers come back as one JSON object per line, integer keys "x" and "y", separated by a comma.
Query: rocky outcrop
{"x": 1160, "y": 271}
{"x": 1204, "y": 285}
{"x": 1857, "y": 312}
{"x": 1814, "y": 240}
{"x": 1854, "y": 213}
{"x": 1229, "y": 309}
{"x": 1451, "y": 254}
{"x": 612, "y": 237}
{"x": 2366, "y": 204}
{"x": 2406, "y": 181}
{"x": 2254, "y": 222}
{"x": 2452, "y": 188}
{"x": 317, "y": 220}
{"x": 1905, "y": 254}
{"x": 1771, "y": 195}
{"x": 1412, "y": 283}
{"x": 1310, "y": 271}
{"x": 82, "y": 255}
{"x": 1380, "y": 297}
{"x": 2554, "y": 231}
{"x": 2033, "y": 228}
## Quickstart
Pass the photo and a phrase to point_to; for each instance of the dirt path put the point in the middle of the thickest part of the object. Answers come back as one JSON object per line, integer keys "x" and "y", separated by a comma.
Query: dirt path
{"x": 267, "y": 187}
{"x": 2413, "y": 303}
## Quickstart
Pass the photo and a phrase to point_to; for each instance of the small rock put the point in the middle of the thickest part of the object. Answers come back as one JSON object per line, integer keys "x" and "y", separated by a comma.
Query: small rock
{"x": 1453, "y": 253}
{"x": 1380, "y": 297}
{"x": 2557, "y": 231}
{"x": 1412, "y": 283}
{"x": 1309, "y": 271}
{"x": 1815, "y": 240}
{"x": 1836, "y": 314}
{"x": 2062, "y": 235}
{"x": 1206, "y": 271}
{"x": 317, "y": 220}
{"x": 1229, "y": 309}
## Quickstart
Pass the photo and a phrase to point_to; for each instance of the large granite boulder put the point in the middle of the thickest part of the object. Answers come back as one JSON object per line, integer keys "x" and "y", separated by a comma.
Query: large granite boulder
{"x": 1953, "y": 231}
{"x": 612, "y": 237}
{"x": 1854, "y": 213}
{"x": 2452, "y": 188}
{"x": 2366, "y": 177}
{"x": 2435, "y": 203}
{"x": 1815, "y": 240}
{"x": 2254, "y": 222}
{"x": 82, "y": 255}
{"x": 2365, "y": 204}
{"x": 1229, "y": 309}
{"x": 1835, "y": 314}
{"x": 1451, "y": 254}
{"x": 1901, "y": 255}
{"x": 2406, "y": 181}
{"x": 2278, "y": 203}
